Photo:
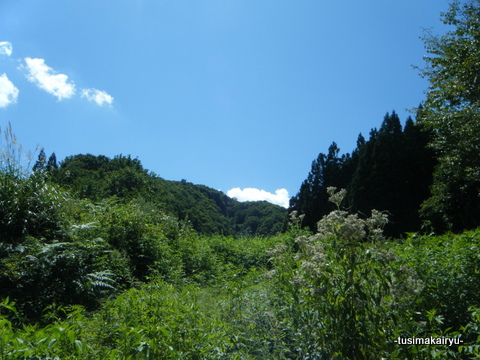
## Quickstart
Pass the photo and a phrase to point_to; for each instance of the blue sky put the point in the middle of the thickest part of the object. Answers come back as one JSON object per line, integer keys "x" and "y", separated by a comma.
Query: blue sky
{"x": 230, "y": 94}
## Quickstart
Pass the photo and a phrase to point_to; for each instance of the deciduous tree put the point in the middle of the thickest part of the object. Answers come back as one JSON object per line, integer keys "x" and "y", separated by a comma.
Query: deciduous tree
{"x": 452, "y": 112}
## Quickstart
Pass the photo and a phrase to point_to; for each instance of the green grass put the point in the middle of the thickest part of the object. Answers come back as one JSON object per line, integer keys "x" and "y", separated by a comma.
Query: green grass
{"x": 240, "y": 311}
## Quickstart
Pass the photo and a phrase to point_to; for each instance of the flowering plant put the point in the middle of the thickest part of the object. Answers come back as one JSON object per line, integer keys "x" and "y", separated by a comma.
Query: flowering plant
{"x": 342, "y": 285}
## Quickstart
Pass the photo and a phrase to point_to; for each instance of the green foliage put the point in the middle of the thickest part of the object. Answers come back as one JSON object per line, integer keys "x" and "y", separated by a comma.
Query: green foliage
{"x": 209, "y": 211}
{"x": 391, "y": 172}
{"x": 55, "y": 341}
{"x": 61, "y": 250}
{"x": 312, "y": 200}
{"x": 472, "y": 330}
{"x": 257, "y": 218}
{"x": 339, "y": 287}
{"x": 343, "y": 293}
{"x": 446, "y": 273}
{"x": 451, "y": 111}
{"x": 346, "y": 293}
{"x": 28, "y": 206}
{"x": 98, "y": 177}
{"x": 111, "y": 245}
{"x": 448, "y": 266}
{"x": 242, "y": 253}
{"x": 159, "y": 322}
{"x": 38, "y": 274}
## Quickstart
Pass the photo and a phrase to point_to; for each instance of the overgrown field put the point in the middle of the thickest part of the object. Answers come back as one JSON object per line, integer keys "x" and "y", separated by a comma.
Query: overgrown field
{"x": 113, "y": 280}
{"x": 243, "y": 306}
{"x": 118, "y": 278}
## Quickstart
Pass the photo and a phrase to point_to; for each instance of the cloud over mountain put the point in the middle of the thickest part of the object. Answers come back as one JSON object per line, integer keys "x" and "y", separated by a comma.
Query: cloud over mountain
{"x": 251, "y": 194}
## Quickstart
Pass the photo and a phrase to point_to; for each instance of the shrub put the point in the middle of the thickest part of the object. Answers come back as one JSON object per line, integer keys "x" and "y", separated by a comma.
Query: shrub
{"x": 340, "y": 287}
{"x": 448, "y": 265}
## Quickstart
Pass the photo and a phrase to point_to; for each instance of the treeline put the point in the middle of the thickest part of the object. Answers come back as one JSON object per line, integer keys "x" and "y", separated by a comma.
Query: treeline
{"x": 391, "y": 171}
{"x": 434, "y": 175}
{"x": 209, "y": 211}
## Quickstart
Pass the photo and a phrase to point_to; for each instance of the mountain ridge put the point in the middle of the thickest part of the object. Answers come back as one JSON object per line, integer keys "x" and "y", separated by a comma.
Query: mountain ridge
{"x": 209, "y": 211}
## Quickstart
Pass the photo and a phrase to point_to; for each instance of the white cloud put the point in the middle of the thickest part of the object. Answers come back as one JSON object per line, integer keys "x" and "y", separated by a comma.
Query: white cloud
{"x": 97, "y": 96}
{"x": 251, "y": 194}
{"x": 5, "y": 48}
{"x": 8, "y": 91}
{"x": 47, "y": 79}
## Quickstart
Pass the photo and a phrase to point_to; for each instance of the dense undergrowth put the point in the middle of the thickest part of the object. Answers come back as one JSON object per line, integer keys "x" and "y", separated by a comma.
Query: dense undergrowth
{"x": 108, "y": 280}
{"x": 292, "y": 311}
{"x": 120, "y": 279}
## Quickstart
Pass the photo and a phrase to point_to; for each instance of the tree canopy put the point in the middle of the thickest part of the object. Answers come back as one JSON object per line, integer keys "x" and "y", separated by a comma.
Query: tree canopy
{"x": 452, "y": 112}
{"x": 391, "y": 172}
{"x": 209, "y": 211}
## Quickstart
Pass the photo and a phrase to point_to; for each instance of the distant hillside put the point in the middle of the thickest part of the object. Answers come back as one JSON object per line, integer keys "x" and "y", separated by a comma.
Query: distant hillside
{"x": 208, "y": 210}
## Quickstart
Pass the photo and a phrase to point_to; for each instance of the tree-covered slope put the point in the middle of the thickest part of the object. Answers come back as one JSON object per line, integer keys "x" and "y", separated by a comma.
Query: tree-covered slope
{"x": 208, "y": 210}
{"x": 391, "y": 171}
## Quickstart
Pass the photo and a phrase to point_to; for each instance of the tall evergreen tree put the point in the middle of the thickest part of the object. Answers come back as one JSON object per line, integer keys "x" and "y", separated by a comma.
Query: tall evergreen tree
{"x": 40, "y": 164}
{"x": 52, "y": 164}
{"x": 392, "y": 172}
{"x": 312, "y": 198}
{"x": 420, "y": 160}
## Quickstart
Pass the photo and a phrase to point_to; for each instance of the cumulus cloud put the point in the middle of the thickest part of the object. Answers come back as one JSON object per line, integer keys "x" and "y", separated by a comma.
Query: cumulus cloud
{"x": 251, "y": 194}
{"x": 97, "y": 96}
{"x": 8, "y": 91}
{"x": 47, "y": 79}
{"x": 5, "y": 48}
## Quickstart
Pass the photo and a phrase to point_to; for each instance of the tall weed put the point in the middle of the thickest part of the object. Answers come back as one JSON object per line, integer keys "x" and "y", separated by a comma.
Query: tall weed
{"x": 339, "y": 287}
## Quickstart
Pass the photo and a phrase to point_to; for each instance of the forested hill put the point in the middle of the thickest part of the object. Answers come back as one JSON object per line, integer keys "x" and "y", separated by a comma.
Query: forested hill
{"x": 392, "y": 171}
{"x": 208, "y": 210}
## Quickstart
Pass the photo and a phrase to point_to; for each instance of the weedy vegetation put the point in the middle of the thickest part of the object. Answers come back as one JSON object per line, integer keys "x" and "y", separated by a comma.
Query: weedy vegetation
{"x": 100, "y": 259}
{"x": 120, "y": 280}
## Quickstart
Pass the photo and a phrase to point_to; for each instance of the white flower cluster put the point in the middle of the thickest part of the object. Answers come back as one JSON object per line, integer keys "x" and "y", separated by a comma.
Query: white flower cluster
{"x": 312, "y": 254}
{"x": 339, "y": 236}
{"x": 336, "y": 197}
{"x": 341, "y": 226}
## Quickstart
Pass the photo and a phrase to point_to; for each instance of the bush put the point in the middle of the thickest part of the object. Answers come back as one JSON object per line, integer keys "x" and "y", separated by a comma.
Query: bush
{"x": 38, "y": 275}
{"x": 339, "y": 288}
{"x": 28, "y": 206}
{"x": 448, "y": 265}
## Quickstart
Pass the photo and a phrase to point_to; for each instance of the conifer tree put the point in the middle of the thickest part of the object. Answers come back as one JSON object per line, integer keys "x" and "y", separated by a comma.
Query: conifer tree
{"x": 312, "y": 198}
{"x": 391, "y": 172}
{"x": 39, "y": 166}
{"x": 52, "y": 164}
